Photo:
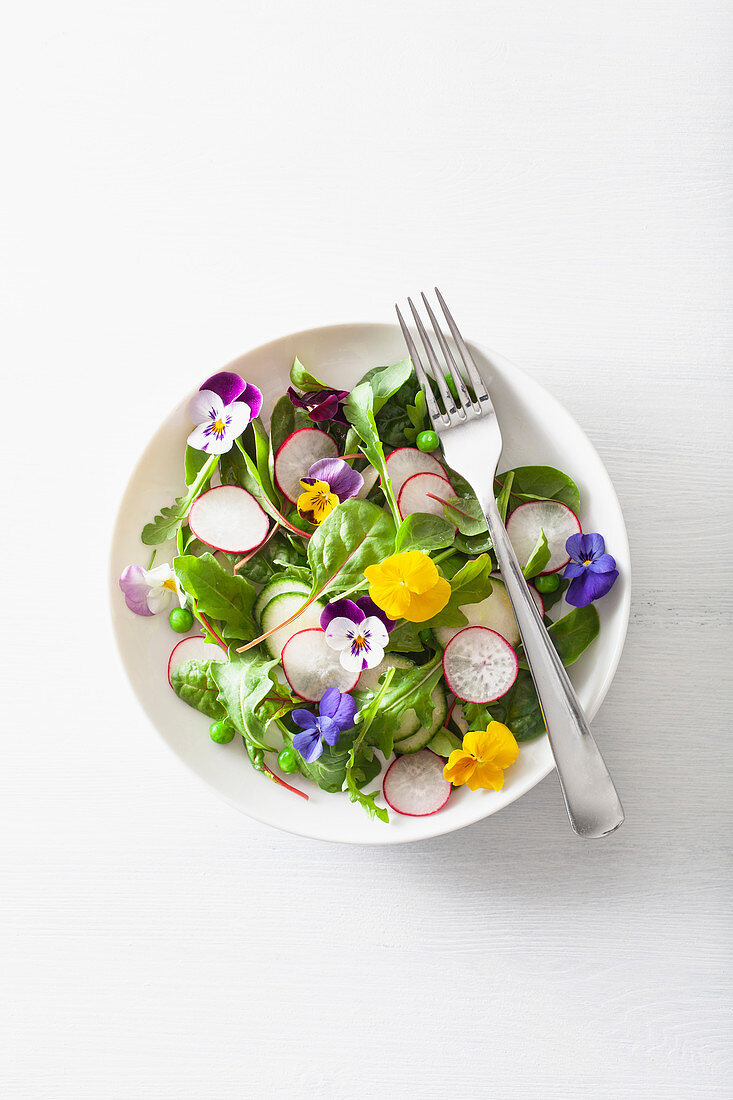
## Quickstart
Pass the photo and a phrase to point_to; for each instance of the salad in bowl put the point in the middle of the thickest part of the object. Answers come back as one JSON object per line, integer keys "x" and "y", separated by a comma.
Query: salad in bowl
{"x": 334, "y": 583}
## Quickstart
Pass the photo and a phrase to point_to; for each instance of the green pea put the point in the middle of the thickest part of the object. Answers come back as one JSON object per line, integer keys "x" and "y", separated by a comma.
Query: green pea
{"x": 427, "y": 441}
{"x": 452, "y": 386}
{"x": 287, "y": 761}
{"x": 548, "y": 583}
{"x": 181, "y": 620}
{"x": 221, "y": 732}
{"x": 297, "y": 520}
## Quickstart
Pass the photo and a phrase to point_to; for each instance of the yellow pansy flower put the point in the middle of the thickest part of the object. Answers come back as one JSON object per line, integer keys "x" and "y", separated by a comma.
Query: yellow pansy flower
{"x": 408, "y": 586}
{"x": 483, "y": 759}
{"x": 317, "y": 501}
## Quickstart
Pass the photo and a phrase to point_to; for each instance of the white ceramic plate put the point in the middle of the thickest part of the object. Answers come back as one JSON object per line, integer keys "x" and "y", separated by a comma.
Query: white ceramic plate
{"x": 536, "y": 430}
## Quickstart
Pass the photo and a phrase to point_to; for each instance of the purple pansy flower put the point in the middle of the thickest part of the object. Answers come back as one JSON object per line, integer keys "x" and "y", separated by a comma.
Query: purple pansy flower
{"x": 221, "y": 410}
{"x": 591, "y": 571}
{"x": 358, "y": 629}
{"x": 321, "y": 404}
{"x": 148, "y": 591}
{"x": 336, "y": 712}
{"x": 338, "y": 475}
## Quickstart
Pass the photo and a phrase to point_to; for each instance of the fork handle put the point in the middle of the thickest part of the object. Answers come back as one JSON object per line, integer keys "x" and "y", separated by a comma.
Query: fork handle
{"x": 592, "y": 802}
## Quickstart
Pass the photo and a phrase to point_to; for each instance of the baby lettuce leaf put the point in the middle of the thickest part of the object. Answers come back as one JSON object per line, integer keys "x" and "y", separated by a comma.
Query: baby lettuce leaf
{"x": 540, "y": 483}
{"x": 572, "y": 634}
{"x": 421, "y": 531}
{"x": 470, "y": 584}
{"x": 224, "y": 596}
{"x": 384, "y": 382}
{"x": 194, "y": 683}
{"x": 302, "y": 379}
{"x": 353, "y": 536}
{"x": 539, "y": 557}
{"x": 244, "y": 686}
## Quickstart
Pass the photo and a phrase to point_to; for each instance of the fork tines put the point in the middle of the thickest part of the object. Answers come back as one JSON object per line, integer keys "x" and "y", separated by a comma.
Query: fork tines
{"x": 466, "y": 406}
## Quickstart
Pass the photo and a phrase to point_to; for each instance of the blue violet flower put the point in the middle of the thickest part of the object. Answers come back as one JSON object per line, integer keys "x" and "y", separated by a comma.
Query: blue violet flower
{"x": 336, "y": 712}
{"x": 591, "y": 571}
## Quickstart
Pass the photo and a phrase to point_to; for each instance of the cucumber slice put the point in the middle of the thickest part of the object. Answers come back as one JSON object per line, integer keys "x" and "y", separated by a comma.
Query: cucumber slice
{"x": 419, "y": 738}
{"x": 495, "y": 613}
{"x": 276, "y": 587}
{"x": 278, "y": 610}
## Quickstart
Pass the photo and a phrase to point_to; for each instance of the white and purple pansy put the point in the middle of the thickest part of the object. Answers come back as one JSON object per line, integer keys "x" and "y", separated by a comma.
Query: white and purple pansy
{"x": 358, "y": 629}
{"x": 148, "y": 591}
{"x": 221, "y": 410}
{"x": 336, "y": 712}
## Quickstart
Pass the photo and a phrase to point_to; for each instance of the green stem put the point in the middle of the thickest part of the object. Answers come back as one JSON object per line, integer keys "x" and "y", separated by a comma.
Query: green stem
{"x": 444, "y": 555}
{"x": 152, "y": 559}
{"x": 372, "y": 710}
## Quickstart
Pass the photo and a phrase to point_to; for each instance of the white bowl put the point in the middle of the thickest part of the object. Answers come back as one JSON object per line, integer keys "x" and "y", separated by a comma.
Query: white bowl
{"x": 536, "y": 430}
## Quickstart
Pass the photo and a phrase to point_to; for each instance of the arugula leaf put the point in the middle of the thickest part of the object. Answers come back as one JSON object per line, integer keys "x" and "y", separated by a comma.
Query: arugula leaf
{"x": 194, "y": 683}
{"x": 353, "y": 536}
{"x": 302, "y": 379}
{"x": 413, "y": 688}
{"x": 405, "y": 638}
{"x": 422, "y": 531}
{"x": 502, "y": 499}
{"x": 359, "y": 411}
{"x": 572, "y": 634}
{"x": 539, "y": 557}
{"x": 477, "y": 715}
{"x": 471, "y": 584}
{"x": 166, "y": 524}
{"x": 244, "y": 685}
{"x": 540, "y": 483}
{"x": 224, "y": 596}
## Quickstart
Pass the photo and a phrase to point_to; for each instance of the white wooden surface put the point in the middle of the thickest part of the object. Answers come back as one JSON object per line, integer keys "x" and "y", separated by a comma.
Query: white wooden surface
{"x": 183, "y": 181}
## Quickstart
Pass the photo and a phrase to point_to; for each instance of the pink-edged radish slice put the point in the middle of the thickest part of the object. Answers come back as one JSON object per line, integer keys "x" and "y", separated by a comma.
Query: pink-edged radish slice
{"x": 194, "y": 649}
{"x": 479, "y": 665}
{"x": 228, "y": 518}
{"x": 406, "y": 462}
{"x": 311, "y": 666}
{"x": 424, "y": 493}
{"x": 296, "y": 455}
{"x": 414, "y": 785}
{"x": 370, "y": 476}
{"x": 537, "y": 597}
{"x": 557, "y": 521}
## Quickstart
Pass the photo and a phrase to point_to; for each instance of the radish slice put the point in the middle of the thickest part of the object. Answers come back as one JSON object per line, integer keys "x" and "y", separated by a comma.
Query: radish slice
{"x": 557, "y": 521}
{"x": 419, "y": 492}
{"x": 311, "y": 666}
{"x": 194, "y": 649}
{"x": 407, "y": 461}
{"x": 370, "y": 476}
{"x": 228, "y": 518}
{"x": 296, "y": 455}
{"x": 414, "y": 784}
{"x": 479, "y": 665}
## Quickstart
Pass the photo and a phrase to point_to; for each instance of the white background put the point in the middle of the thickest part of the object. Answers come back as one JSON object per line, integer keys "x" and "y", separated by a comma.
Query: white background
{"x": 184, "y": 181}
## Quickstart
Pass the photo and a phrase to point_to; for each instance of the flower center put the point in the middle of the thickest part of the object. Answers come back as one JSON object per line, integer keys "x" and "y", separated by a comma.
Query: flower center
{"x": 587, "y": 561}
{"x": 170, "y": 583}
{"x": 359, "y": 643}
{"x": 219, "y": 426}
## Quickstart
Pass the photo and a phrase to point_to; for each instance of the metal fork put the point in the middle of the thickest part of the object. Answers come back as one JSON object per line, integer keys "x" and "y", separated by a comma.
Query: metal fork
{"x": 471, "y": 438}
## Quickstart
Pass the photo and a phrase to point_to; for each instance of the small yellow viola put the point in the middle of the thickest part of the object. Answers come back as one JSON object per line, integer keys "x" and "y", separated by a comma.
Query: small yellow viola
{"x": 317, "y": 501}
{"x": 485, "y": 756}
{"x": 408, "y": 586}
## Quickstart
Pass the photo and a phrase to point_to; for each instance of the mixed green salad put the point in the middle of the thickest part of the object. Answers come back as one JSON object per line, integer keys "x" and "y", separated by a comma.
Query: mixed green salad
{"x": 335, "y": 583}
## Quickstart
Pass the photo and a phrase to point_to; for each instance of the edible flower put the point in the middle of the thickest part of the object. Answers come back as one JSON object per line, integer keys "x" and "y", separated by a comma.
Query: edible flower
{"x": 359, "y": 629}
{"x": 591, "y": 571}
{"x": 221, "y": 410}
{"x": 321, "y": 404}
{"x": 408, "y": 586}
{"x": 336, "y": 712}
{"x": 329, "y": 482}
{"x": 484, "y": 758}
{"x": 148, "y": 591}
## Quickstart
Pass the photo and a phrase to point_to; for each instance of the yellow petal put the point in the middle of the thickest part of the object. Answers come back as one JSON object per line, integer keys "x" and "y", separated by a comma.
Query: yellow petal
{"x": 505, "y": 749}
{"x": 460, "y": 767}
{"x": 392, "y": 598}
{"x": 426, "y": 604}
{"x": 486, "y": 776}
{"x": 418, "y": 570}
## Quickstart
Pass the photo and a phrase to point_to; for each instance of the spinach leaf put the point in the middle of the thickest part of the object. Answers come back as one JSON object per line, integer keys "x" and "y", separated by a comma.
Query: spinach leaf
{"x": 244, "y": 685}
{"x": 193, "y": 462}
{"x": 285, "y": 420}
{"x": 539, "y": 557}
{"x": 549, "y": 599}
{"x": 473, "y": 544}
{"x": 540, "y": 483}
{"x": 502, "y": 499}
{"x": 470, "y": 584}
{"x": 519, "y": 709}
{"x": 304, "y": 380}
{"x": 444, "y": 742}
{"x": 466, "y": 514}
{"x": 194, "y": 683}
{"x": 417, "y": 415}
{"x": 224, "y": 596}
{"x": 353, "y": 536}
{"x": 166, "y": 524}
{"x": 421, "y": 531}
{"x": 262, "y": 460}
{"x": 572, "y": 634}
{"x": 384, "y": 382}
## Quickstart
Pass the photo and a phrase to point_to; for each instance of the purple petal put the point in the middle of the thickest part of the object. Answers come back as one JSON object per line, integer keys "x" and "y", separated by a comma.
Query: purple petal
{"x": 574, "y": 569}
{"x": 338, "y": 609}
{"x": 342, "y": 480}
{"x": 589, "y": 587}
{"x": 305, "y": 719}
{"x": 330, "y": 730}
{"x": 368, "y": 606}
{"x": 252, "y": 397}
{"x": 325, "y": 410}
{"x": 593, "y": 545}
{"x": 296, "y": 399}
{"x": 309, "y": 745}
{"x": 339, "y": 707}
{"x": 603, "y": 564}
{"x": 135, "y": 588}
{"x": 229, "y": 386}
{"x": 574, "y": 547}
